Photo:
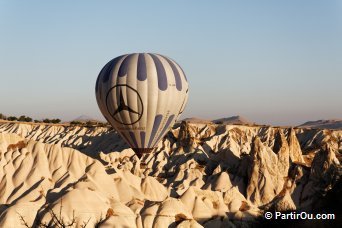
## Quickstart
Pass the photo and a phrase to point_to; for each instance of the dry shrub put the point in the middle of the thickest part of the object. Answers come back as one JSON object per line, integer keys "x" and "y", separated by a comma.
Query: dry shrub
{"x": 19, "y": 145}
{"x": 244, "y": 206}
{"x": 91, "y": 189}
{"x": 110, "y": 212}
{"x": 200, "y": 167}
{"x": 180, "y": 217}
{"x": 215, "y": 205}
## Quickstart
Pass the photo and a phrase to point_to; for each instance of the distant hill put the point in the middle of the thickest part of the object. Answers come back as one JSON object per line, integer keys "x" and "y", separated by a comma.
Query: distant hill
{"x": 323, "y": 124}
{"x": 197, "y": 120}
{"x": 85, "y": 118}
{"x": 227, "y": 120}
{"x": 233, "y": 120}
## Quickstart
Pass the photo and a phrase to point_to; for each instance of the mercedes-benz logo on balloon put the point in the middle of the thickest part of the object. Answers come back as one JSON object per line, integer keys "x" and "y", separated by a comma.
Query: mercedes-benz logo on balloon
{"x": 120, "y": 93}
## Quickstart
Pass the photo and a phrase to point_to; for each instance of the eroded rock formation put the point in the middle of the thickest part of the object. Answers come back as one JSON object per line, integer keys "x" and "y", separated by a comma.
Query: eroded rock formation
{"x": 200, "y": 175}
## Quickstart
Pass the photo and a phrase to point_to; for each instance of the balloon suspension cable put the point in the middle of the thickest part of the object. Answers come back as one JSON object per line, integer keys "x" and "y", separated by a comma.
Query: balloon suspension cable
{"x": 141, "y": 151}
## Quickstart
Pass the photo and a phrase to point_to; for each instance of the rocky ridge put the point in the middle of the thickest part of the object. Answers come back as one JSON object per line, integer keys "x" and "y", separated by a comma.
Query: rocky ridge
{"x": 324, "y": 124}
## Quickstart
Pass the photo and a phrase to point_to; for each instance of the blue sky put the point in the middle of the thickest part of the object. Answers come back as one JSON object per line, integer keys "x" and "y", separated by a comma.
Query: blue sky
{"x": 274, "y": 62}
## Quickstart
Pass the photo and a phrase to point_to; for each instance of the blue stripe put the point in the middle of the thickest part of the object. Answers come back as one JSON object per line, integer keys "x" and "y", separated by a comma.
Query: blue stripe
{"x": 167, "y": 125}
{"x": 162, "y": 78}
{"x": 107, "y": 69}
{"x": 141, "y": 70}
{"x": 124, "y": 66}
{"x": 142, "y": 138}
{"x": 156, "y": 124}
{"x": 176, "y": 74}
{"x": 131, "y": 134}
{"x": 183, "y": 73}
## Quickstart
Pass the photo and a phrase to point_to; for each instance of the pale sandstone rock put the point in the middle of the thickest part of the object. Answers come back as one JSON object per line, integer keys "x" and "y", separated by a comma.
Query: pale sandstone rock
{"x": 200, "y": 174}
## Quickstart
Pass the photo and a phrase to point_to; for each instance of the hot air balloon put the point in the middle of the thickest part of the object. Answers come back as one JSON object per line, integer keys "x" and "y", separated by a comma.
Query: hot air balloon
{"x": 142, "y": 95}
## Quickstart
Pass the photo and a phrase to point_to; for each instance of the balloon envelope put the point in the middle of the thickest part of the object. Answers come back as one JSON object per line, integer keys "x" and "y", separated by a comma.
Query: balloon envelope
{"x": 141, "y": 95}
